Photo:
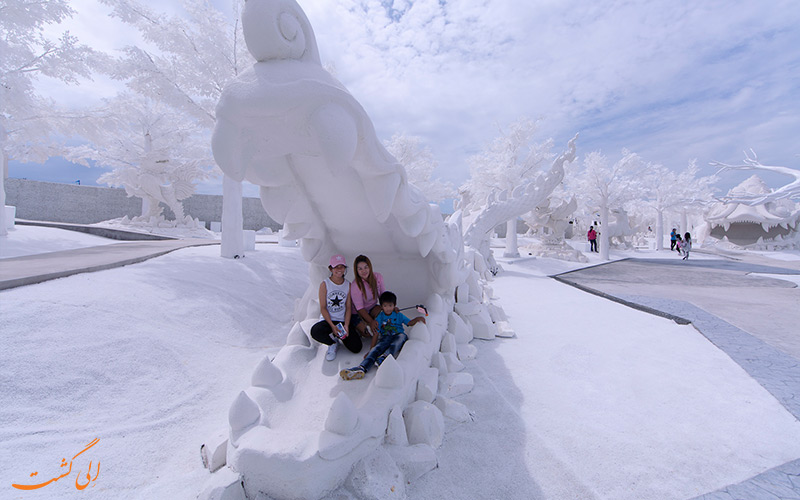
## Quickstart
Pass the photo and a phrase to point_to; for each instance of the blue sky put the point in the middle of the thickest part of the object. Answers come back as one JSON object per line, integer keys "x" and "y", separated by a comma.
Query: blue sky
{"x": 671, "y": 80}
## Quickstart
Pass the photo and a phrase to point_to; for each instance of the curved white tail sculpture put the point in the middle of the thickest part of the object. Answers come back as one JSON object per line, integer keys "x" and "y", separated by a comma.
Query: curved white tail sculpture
{"x": 510, "y": 204}
{"x": 288, "y": 126}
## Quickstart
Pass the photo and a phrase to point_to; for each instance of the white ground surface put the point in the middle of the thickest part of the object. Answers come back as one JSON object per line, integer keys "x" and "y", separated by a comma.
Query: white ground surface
{"x": 591, "y": 400}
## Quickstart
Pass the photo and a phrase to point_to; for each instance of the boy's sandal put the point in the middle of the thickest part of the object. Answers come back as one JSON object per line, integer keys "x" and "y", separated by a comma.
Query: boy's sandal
{"x": 352, "y": 373}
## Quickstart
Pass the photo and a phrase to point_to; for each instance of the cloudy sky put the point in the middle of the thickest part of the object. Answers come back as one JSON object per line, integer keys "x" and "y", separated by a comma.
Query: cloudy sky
{"x": 671, "y": 80}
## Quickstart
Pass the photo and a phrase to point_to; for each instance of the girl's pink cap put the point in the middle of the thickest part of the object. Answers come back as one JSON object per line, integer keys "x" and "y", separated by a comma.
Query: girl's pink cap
{"x": 338, "y": 260}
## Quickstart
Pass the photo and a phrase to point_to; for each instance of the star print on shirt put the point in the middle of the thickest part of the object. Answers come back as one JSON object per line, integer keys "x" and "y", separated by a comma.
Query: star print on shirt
{"x": 336, "y": 301}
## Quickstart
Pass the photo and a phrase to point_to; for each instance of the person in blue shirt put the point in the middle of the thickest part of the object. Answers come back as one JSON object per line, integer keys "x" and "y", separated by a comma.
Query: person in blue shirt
{"x": 673, "y": 239}
{"x": 390, "y": 339}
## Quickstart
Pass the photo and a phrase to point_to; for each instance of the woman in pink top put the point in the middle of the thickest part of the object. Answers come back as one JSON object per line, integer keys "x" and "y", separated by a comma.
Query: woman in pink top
{"x": 364, "y": 291}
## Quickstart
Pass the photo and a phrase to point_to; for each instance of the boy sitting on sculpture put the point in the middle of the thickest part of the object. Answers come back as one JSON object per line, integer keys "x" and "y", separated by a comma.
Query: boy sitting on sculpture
{"x": 390, "y": 338}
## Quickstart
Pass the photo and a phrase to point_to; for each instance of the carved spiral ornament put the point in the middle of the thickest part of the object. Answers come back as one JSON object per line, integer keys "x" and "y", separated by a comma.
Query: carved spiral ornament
{"x": 278, "y": 29}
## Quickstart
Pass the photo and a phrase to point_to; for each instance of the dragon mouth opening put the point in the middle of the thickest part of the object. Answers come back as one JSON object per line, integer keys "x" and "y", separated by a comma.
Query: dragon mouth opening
{"x": 749, "y": 233}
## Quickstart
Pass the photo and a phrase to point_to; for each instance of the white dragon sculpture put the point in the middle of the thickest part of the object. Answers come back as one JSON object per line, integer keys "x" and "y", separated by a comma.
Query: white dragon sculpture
{"x": 290, "y": 127}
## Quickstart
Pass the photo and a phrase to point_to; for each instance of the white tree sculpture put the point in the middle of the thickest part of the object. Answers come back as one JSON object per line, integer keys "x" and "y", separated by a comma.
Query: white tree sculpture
{"x": 199, "y": 55}
{"x": 155, "y": 151}
{"x": 751, "y": 162}
{"x": 668, "y": 190}
{"x": 602, "y": 186}
{"x": 26, "y": 118}
{"x": 419, "y": 164}
{"x": 509, "y": 161}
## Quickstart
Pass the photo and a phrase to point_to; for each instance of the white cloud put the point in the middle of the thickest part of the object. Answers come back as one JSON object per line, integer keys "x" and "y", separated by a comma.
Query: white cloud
{"x": 656, "y": 77}
{"x": 672, "y": 80}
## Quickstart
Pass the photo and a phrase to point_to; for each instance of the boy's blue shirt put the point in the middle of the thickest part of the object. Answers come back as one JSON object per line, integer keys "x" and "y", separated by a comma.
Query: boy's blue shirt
{"x": 391, "y": 324}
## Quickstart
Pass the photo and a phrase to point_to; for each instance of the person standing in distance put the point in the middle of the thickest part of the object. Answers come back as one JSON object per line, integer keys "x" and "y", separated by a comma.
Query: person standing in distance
{"x": 592, "y": 237}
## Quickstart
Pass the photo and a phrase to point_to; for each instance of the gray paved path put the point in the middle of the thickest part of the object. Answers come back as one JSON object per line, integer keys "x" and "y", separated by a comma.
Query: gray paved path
{"x": 734, "y": 291}
{"x": 729, "y": 303}
{"x": 30, "y": 269}
{"x": 105, "y": 232}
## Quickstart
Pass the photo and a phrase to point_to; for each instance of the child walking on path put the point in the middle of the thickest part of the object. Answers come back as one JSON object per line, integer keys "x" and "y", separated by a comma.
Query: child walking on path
{"x": 335, "y": 309}
{"x": 392, "y": 337}
{"x": 686, "y": 247}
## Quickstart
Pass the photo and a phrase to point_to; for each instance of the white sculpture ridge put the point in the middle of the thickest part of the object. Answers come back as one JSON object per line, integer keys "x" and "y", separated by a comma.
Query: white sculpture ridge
{"x": 288, "y": 126}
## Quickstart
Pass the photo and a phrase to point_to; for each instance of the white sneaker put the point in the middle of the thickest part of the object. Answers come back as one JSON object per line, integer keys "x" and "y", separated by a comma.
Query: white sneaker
{"x": 331, "y": 354}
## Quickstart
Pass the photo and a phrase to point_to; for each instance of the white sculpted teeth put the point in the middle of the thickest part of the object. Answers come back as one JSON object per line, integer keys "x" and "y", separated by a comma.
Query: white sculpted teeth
{"x": 310, "y": 248}
{"x": 342, "y": 417}
{"x": 425, "y": 242}
{"x": 266, "y": 374}
{"x": 299, "y": 211}
{"x": 296, "y": 231}
{"x": 381, "y": 192}
{"x": 448, "y": 343}
{"x": 390, "y": 374}
{"x": 407, "y": 201}
{"x": 278, "y": 201}
{"x": 244, "y": 413}
{"x": 413, "y": 225}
